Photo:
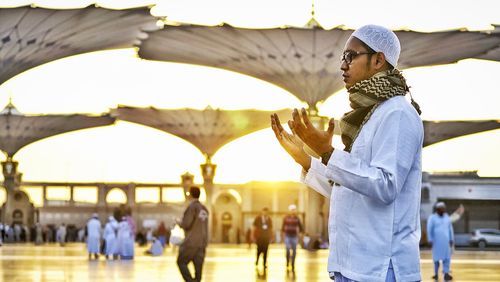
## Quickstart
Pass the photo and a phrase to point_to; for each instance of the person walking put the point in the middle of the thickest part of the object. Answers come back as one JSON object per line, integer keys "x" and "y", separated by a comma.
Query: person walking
{"x": 193, "y": 248}
{"x": 291, "y": 228}
{"x": 263, "y": 232}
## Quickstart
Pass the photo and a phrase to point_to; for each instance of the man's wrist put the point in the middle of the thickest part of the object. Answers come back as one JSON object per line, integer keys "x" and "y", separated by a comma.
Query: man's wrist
{"x": 325, "y": 157}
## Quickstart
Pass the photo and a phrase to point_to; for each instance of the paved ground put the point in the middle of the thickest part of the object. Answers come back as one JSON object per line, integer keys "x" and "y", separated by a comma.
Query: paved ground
{"x": 223, "y": 263}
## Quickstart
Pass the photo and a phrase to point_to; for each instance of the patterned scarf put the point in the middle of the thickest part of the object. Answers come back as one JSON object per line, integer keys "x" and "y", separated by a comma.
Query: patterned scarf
{"x": 365, "y": 96}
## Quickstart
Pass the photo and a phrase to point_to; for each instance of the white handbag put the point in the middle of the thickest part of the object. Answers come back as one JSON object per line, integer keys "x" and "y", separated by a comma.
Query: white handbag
{"x": 176, "y": 235}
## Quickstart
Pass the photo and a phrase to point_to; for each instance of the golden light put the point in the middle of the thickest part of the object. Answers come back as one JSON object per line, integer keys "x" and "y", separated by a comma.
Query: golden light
{"x": 147, "y": 195}
{"x": 58, "y": 193}
{"x": 116, "y": 196}
{"x": 85, "y": 194}
{"x": 3, "y": 195}
{"x": 173, "y": 195}
{"x": 35, "y": 193}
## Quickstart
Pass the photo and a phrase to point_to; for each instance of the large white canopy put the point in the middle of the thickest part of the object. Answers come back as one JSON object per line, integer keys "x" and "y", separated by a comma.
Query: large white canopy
{"x": 207, "y": 129}
{"x": 18, "y": 130}
{"x": 30, "y": 37}
{"x": 304, "y": 61}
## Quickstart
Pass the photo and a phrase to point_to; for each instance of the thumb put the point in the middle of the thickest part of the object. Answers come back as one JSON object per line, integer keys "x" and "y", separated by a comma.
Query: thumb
{"x": 331, "y": 127}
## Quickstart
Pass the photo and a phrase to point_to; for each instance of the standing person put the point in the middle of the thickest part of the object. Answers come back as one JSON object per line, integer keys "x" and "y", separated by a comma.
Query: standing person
{"x": 291, "y": 228}
{"x": 195, "y": 225}
{"x": 248, "y": 237}
{"x": 374, "y": 183}
{"x": 125, "y": 239}
{"x": 1, "y": 234}
{"x": 110, "y": 230}
{"x": 93, "y": 236}
{"x": 61, "y": 235}
{"x": 263, "y": 233}
{"x": 440, "y": 237}
{"x": 39, "y": 234}
{"x": 17, "y": 232}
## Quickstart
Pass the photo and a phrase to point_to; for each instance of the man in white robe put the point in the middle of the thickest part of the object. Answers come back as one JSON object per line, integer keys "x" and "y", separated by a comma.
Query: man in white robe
{"x": 125, "y": 240}
{"x": 93, "y": 236}
{"x": 109, "y": 235}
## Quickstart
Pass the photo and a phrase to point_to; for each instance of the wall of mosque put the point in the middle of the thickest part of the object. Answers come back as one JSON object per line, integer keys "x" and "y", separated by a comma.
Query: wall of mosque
{"x": 480, "y": 197}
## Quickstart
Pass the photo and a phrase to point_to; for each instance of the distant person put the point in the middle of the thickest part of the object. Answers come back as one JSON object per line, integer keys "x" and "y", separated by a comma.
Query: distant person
{"x": 156, "y": 248}
{"x": 61, "y": 235}
{"x": 149, "y": 235}
{"x": 49, "y": 234}
{"x": 263, "y": 234}
{"x": 125, "y": 239}
{"x": 440, "y": 237}
{"x": 38, "y": 234}
{"x": 162, "y": 234}
{"x": 291, "y": 228}
{"x": 17, "y": 232}
{"x": 110, "y": 232}
{"x": 93, "y": 236}
{"x": 248, "y": 237}
{"x": 81, "y": 234}
{"x": 195, "y": 225}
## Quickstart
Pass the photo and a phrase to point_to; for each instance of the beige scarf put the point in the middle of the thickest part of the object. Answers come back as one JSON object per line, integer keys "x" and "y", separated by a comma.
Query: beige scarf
{"x": 365, "y": 96}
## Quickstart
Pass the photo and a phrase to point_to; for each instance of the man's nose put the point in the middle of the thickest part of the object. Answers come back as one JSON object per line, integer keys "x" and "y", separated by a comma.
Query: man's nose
{"x": 343, "y": 65}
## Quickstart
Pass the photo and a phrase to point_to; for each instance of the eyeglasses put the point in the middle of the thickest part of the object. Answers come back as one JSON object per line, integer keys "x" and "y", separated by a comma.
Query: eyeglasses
{"x": 348, "y": 56}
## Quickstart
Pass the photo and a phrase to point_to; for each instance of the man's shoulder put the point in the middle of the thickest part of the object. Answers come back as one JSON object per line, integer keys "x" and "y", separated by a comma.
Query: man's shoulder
{"x": 398, "y": 106}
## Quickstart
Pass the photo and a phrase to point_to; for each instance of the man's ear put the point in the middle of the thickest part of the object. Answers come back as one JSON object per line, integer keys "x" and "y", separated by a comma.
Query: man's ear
{"x": 379, "y": 60}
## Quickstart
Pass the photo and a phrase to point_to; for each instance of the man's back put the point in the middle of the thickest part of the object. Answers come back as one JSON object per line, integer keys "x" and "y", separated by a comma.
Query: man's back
{"x": 195, "y": 225}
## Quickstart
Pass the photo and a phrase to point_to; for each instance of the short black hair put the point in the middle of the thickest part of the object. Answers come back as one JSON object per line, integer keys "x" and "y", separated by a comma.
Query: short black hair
{"x": 194, "y": 192}
{"x": 369, "y": 49}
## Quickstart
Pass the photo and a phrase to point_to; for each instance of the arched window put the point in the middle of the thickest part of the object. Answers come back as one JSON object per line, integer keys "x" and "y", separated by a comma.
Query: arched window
{"x": 35, "y": 193}
{"x": 116, "y": 196}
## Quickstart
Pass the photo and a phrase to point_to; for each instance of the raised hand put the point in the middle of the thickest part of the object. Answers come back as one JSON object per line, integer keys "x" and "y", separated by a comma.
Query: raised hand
{"x": 291, "y": 143}
{"x": 320, "y": 141}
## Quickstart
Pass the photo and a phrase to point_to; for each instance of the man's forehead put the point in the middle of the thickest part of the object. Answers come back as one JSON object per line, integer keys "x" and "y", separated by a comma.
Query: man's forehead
{"x": 353, "y": 44}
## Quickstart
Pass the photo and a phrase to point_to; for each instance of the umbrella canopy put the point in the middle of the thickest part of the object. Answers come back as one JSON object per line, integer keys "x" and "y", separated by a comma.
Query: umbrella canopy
{"x": 18, "y": 130}
{"x": 208, "y": 129}
{"x": 30, "y": 37}
{"x": 438, "y": 131}
{"x": 303, "y": 61}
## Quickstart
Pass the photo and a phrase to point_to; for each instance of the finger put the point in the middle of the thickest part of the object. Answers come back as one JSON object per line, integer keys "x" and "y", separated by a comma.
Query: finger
{"x": 331, "y": 127}
{"x": 298, "y": 126}
{"x": 275, "y": 128}
{"x": 305, "y": 117}
{"x": 278, "y": 122}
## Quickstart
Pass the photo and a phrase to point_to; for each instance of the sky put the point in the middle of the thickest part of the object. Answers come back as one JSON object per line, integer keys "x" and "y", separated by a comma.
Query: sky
{"x": 127, "y": 152}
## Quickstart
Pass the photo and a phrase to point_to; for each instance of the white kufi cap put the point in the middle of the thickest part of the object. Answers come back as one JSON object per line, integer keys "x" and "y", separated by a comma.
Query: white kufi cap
{"x": 381, "y": 40}
{"x": 440, "y": 205}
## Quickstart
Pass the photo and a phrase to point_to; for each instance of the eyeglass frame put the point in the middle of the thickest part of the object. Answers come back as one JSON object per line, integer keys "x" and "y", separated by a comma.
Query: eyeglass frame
{"x": 353, "y": 54}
